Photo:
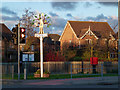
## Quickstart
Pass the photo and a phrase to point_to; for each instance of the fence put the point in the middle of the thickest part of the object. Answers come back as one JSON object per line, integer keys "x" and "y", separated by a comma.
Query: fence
{"x": 10, "y": 70}
{"x": 88, "y": 70}
{"x": 103, "y": 68}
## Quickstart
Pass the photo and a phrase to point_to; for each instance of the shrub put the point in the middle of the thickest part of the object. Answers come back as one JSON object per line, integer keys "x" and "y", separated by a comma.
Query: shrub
{"x": 68, "y": 53}
{"x": 38, "y": 71}
{"x": 86, "y": 54}
{"x": 76, "y": 58}
{"x": 54, "y": 56}
{"x": 106, "y": 59}
{"x": 46, "y": 72}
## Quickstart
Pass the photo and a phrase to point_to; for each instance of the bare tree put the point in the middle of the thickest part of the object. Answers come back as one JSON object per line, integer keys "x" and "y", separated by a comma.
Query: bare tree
{"x": 26, "y": 21}
{"x": 114, "y": 26}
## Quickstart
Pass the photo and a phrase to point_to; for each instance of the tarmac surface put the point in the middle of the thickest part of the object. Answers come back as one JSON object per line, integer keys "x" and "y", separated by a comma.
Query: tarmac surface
{"x": 91, "y": 82}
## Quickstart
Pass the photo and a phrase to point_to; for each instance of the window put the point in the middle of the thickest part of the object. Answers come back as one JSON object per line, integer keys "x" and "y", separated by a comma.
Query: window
{"x": 70, "y": 41}
{"x": 22, "y": 48}
{"x": 110, "y": 42}
{"x": 113, "y": 55}
{"x": 105, "y": 41}
{"x": 52, "y": 39}
{"x": 10, "y": 56}
{"x": 32, "y": 47}
{"x": 89, "y": 41}
{"x": 11, "y": 45}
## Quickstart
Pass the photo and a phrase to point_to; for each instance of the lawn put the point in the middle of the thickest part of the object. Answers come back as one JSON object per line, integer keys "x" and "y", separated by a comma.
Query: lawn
{"x": 55, "y": 76}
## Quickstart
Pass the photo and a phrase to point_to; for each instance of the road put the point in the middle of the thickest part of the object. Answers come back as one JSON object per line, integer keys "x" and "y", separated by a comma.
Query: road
{"x": 92, "y": 82}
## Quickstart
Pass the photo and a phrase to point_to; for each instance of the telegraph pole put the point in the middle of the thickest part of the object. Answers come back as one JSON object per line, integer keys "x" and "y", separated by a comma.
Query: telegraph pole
{"x": 18, "y": 51}
{"x": 118, "y": 37}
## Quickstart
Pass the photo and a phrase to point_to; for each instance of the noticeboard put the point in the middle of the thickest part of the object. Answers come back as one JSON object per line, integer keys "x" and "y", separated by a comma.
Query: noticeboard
{"x": 31, "y": 57}
{"x": 27, "y": 57}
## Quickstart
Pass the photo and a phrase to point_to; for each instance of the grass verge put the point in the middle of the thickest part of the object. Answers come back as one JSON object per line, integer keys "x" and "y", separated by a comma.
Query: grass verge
{"x": 55, "y": 76}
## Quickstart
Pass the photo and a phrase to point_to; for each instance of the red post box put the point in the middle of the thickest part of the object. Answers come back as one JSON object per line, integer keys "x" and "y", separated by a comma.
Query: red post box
{"x": 94, "y": 60}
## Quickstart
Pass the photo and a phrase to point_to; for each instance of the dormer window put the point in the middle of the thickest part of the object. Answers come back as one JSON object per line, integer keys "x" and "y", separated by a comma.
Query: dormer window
{"x": 89, "y": 41}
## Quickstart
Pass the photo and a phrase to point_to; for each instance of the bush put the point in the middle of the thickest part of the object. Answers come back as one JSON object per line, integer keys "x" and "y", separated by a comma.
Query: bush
{"x": 46, "y": 72}
{"x": 86, "y": 55}
{"x": 54, "y": 56}
{"x": 69, "y": 54}
{"x": 76, "y": 58}
{"x": 106, "y": 59}
{"x": 38, "y": 71}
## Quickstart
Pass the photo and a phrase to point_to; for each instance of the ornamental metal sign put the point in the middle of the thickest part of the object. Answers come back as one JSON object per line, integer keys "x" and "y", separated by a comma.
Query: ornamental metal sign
{"x": 41, "y": 35}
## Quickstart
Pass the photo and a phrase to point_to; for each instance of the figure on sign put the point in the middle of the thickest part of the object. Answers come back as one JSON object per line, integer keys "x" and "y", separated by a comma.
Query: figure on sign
{"x": 40, "y": 21}
{"x": 41, "y": 25}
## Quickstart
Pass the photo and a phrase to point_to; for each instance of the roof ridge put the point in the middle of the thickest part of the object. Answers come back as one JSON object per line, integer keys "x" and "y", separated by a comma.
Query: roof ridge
{"x": 5, "y": 26}
{"x": 54, "y": 34}
{"x": 86, "y": 21}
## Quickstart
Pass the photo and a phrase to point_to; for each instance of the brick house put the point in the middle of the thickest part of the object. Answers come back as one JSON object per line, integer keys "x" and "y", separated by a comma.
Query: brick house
{"x": 81, "y": 33}
{"x": 33, "y": 42}
{"x": 52, "y": 41}
{"x": 32, "y": 45}
{"x": 9, "y": 53}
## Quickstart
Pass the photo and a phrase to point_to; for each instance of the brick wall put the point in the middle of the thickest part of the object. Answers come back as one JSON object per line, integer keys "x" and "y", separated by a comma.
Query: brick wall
{"x": 68, "y": 37}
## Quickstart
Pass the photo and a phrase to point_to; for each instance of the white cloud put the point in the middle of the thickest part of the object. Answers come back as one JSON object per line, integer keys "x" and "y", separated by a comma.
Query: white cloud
{"x": 114, "y": 17}
{"x": 10, "y": 24}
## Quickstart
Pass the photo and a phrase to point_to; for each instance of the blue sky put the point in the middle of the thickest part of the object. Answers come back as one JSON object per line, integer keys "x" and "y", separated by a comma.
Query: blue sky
{"x": 61, "y": 12}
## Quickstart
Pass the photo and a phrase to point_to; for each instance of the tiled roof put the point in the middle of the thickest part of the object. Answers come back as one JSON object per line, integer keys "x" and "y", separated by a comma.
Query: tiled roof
{"x": 6, "y": 33}
{"x": 100, "y": 29}
{"x": 54, "y": 36}
{"x": 33, "y": 40}
{"x": 82, "y": 32}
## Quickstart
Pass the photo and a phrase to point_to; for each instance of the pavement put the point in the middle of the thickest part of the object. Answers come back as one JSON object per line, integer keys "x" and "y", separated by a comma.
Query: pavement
{"x": 91, "y": 82}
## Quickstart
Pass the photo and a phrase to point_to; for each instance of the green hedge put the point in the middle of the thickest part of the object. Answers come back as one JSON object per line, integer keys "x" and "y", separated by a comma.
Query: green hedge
{"x": 77, "y": 58}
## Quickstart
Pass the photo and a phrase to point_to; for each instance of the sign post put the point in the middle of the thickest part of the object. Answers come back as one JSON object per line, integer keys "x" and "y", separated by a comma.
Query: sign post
{"x": 41, "y": 55}
{"x": 41, "y": 21}
{"x": 41, "y": 50}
